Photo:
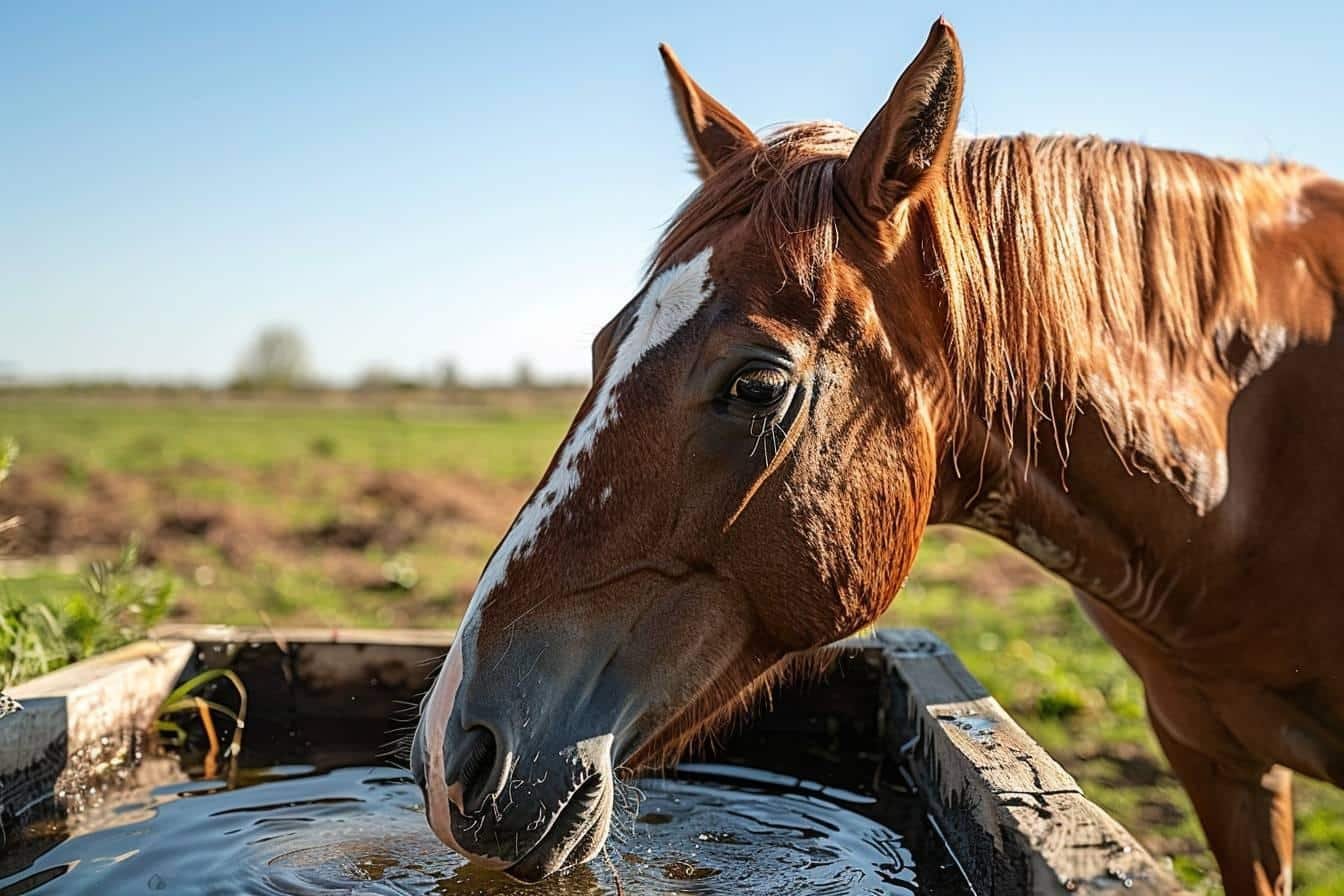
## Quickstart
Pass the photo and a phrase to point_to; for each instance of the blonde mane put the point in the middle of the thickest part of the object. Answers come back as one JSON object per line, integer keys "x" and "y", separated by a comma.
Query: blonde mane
{"x": 1074, "y": 268}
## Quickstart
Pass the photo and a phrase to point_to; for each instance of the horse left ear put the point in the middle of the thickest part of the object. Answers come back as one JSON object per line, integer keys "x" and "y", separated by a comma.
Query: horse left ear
{"x": 907, "y": 143}
{"x": 713, "y": 132}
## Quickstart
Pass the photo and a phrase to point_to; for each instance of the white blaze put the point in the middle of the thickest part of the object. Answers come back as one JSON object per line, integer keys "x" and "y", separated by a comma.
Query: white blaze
{"x": 671, "y": 300}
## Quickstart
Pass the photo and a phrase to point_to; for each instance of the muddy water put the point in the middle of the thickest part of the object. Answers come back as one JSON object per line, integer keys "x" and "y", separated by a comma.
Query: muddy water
{"x": 361, "y": 830}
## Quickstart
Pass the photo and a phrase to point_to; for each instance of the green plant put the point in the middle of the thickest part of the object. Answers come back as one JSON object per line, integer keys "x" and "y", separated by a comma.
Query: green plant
{"x": 184, "y": 699}
{"x": 9, "y": 452}
{"x": 115, "y": 603}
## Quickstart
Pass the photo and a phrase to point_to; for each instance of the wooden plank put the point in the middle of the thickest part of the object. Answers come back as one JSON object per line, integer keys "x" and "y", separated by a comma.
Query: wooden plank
{"x": 1018, "y": 821}
{"x": 231, "y": 634}
{"x": 84, "y": 722}
{"x": 323, "y": 671}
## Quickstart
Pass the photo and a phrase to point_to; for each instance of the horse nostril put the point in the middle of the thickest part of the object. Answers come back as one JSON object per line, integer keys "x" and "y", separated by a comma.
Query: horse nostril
{"x": 471, "y": 762}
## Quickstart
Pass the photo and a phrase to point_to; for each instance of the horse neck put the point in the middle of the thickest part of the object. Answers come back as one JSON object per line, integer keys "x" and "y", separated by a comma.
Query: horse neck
{"x": 1082, "y": 485}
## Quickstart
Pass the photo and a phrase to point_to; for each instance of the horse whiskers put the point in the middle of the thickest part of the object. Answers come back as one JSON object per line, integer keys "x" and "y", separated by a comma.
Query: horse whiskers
{"x": 766, "y": 438}
{"x": 751, "y": 431}
{"x": 631, "y": 797}
{"x": 615, "y": 874}
{"x": 434, "y": 660}
{"x": 628, "y": 801}
{"x": 505, "y": 652}
{"x": 777, "y": 433}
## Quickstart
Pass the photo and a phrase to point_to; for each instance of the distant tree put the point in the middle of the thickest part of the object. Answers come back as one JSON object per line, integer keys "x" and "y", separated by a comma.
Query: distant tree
{"x": 523, "y": 375}
{"x": 277, "y": 359}
{"x": 379, "y": 378}
{"x": 449, "y": 375}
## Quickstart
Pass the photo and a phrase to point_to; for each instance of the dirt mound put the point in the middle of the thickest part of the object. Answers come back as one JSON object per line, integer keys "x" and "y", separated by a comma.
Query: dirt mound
{"x": 236, "y": 532}
{"x": 393, "y": 510}
{"x": 389, "y": 533}
{"x": 61, "y": 510}
{"x": 272, "y": 531}
{"x": 432, "y": 498}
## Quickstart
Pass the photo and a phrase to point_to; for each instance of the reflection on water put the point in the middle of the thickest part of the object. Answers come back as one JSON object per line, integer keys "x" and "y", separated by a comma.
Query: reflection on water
{"x": 714, "y": 830}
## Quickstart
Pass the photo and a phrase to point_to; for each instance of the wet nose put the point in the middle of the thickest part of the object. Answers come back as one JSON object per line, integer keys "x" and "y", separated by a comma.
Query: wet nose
{"x": 469, "y": 763}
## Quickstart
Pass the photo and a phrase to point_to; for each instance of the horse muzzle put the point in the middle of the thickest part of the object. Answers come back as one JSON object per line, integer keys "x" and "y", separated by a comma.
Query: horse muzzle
{"x": 526, "y": 799}
{"x": 524, "y": 816}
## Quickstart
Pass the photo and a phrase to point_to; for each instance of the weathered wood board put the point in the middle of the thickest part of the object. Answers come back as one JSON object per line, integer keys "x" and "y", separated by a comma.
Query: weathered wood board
{"x": 82, "y": 724}
{"x": 320, "y": 672}
{"x": 1016, "y": 820}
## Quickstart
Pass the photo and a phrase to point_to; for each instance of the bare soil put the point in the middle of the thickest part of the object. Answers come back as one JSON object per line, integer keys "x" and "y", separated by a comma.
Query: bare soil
{"x": 340, "y": 523}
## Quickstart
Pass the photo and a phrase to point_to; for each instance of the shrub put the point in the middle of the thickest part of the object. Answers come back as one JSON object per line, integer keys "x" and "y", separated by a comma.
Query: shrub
{"x": 113, "y": 604}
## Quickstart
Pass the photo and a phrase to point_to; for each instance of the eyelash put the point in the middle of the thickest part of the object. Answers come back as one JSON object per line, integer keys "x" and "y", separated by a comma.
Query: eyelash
{"x": 766, "y": 376}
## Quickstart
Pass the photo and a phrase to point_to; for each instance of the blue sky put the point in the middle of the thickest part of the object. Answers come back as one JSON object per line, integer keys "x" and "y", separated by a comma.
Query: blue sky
{"x": 407, "y": 183}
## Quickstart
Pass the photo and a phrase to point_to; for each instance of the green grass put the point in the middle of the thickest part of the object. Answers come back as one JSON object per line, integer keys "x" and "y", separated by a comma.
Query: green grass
{"x": 73, "y": 618}
{"x": 130, "y": 435}
{"x": 1017, "y": 629}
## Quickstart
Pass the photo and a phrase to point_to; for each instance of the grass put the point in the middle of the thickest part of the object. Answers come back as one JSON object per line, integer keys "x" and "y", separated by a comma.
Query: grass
{"x": 145, "y": 434}
{"x": 274, "y": 473}
{"x": 113, "y": 604}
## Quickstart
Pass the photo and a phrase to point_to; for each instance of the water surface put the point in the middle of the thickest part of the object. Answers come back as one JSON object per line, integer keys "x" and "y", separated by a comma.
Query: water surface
{"x": 361, "y": 830}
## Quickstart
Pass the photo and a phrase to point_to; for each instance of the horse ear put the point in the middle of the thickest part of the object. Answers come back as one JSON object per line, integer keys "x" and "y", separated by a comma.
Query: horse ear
{"x": 908, "y": 141}
{"x": 714, "y": 132}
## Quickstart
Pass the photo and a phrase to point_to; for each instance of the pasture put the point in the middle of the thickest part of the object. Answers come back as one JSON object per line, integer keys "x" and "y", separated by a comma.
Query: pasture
{"x": 335, "y": 509}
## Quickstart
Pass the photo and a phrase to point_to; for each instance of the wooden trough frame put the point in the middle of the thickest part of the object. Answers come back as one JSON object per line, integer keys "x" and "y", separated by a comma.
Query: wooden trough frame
{"x": 1016, "y": 822}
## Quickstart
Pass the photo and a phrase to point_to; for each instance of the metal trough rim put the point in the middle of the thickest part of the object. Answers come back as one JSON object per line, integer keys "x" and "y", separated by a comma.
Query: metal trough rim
{"x": 1015, "y": 819}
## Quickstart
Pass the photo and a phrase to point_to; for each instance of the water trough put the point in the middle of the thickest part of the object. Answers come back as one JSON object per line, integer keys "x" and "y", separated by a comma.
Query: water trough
{"x": 982, "y": 806}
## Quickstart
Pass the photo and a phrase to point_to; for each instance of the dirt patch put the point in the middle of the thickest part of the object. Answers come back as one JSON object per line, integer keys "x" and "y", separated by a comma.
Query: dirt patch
{"x": 431, "y": 498}
{"x": 258, "y": 520}
{"x": 354, "y": 571}
{"x": 60, "y": 510}
{"x": 394, "y": 510}
{"x": 237, "y": 534}
{"x": 192, "y": 522}
{"x": 390, "y": 533}
{"x": 1129, "y": 765}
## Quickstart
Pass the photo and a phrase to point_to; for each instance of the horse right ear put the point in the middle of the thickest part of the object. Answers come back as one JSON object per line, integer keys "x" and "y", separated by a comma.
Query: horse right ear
{"x": 908, "y": 141}
{"x": 714, "y": 132}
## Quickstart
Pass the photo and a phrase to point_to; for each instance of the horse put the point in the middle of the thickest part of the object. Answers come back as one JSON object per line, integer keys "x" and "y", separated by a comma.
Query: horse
{"x": 1126, "y": 362}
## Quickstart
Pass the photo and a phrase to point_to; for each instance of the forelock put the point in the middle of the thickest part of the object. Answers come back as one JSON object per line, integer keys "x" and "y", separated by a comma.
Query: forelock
{"x": 784, "y": 187}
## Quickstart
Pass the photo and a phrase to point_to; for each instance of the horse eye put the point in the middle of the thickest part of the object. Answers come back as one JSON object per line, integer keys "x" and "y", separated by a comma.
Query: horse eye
{"x": 759, "y": 386}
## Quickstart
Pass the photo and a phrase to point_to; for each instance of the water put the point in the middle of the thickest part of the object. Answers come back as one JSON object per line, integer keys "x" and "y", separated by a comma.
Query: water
{"x": 360, "y": 830}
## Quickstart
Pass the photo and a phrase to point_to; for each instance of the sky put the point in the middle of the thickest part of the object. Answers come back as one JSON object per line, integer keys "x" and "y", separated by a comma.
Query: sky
{"x": 410, "y": 183}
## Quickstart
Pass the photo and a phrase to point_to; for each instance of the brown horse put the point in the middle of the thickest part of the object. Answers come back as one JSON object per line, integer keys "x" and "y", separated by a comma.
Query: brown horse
{"x": 1126, "y": 362}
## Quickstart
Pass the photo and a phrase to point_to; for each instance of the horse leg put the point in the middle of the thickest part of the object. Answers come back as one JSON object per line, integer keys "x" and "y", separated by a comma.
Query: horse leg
{"x": 1246, "y": 813}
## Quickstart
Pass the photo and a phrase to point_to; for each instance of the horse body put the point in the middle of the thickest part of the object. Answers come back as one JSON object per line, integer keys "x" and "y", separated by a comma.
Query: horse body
{"x": 1127, "y": 363}
{"x": 1232, "y": 580}
{"x": 1218, "y": 578}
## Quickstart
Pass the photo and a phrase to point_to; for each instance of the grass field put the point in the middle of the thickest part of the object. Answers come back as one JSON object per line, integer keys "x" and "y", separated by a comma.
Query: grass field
{"x": 344, "y": 512}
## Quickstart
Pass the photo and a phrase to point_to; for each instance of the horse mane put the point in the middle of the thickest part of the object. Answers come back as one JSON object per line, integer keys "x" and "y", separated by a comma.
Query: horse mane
{"x": 1084, "y": 269}
{"x": 1074, "y": 268}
